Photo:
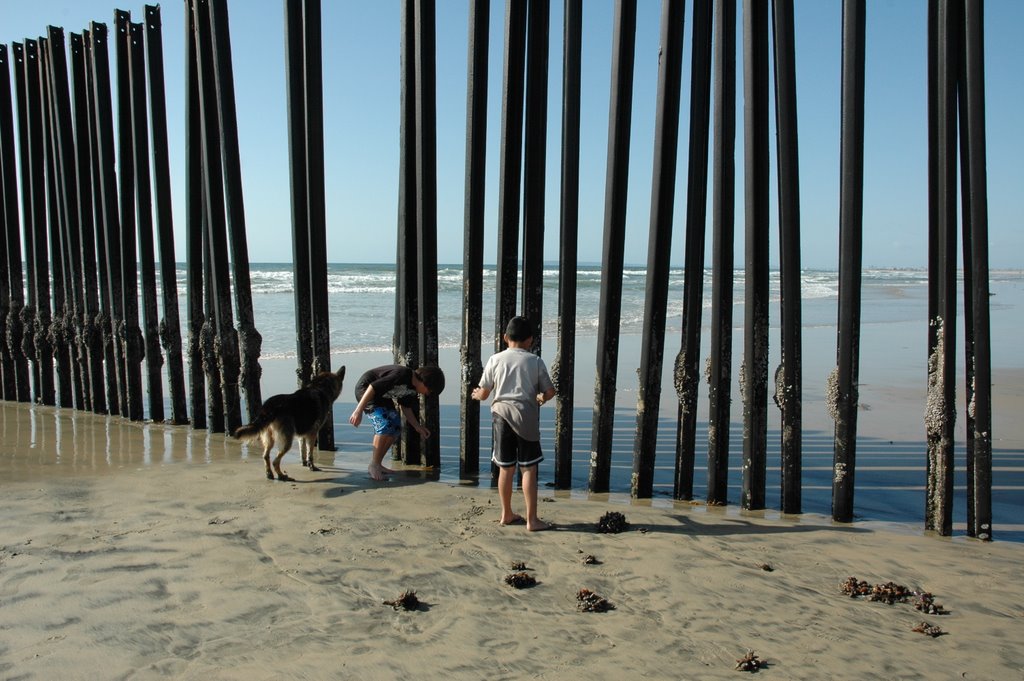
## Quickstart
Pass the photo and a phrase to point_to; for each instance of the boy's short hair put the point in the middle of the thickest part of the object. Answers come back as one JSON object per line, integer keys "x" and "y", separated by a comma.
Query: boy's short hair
{"x": 432, "y": 377}
{"x": 519, "y": 329}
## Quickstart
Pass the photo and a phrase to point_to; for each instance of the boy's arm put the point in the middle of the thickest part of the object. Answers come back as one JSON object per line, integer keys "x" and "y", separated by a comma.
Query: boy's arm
{"x": 410, "y": 416}
{"x": 357, "y": 416}
{"x": 545, "y": 385}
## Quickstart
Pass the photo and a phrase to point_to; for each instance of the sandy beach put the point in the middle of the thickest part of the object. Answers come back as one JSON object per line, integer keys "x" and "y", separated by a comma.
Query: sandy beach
{"x": 135, "y": 550}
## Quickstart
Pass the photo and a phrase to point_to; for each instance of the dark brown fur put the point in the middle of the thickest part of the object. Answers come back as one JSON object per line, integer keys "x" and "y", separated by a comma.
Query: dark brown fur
{"x": 302, "y": 413}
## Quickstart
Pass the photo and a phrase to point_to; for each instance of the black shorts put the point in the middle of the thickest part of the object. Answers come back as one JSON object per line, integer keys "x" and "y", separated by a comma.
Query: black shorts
{"x": 508, "y": 449}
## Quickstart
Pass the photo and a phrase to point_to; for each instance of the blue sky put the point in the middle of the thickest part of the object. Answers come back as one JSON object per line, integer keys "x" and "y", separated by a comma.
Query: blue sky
{"x": 361, "y": 65}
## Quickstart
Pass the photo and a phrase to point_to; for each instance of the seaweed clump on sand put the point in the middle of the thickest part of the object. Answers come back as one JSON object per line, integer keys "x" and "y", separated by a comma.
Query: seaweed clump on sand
{"x": 928, "y": 629}
{"x": 520, "y": 580}
{"x": 612, "y": 522}
{"x": 888, "y": 593}
{"x": 891, "y": 593}
{"x": 407, "y": 601}
{"x": 926, "y": 603}
{"x": 589, "y": 601}
{"x": 750, "y": 663}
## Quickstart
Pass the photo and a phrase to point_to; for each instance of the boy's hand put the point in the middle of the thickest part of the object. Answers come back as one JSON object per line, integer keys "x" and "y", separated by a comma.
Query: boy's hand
{"x": 356, "y": 418}
{"x": 423, "y": 432}
{"x": 480, "y": 394}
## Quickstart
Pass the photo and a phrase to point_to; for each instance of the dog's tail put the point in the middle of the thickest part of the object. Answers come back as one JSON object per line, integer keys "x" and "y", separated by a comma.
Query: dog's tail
{"x": 253, "y": 430}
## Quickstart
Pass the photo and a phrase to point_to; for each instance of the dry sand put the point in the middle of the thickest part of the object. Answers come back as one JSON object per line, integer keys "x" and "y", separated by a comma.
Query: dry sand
{"x": 146, "y": 551}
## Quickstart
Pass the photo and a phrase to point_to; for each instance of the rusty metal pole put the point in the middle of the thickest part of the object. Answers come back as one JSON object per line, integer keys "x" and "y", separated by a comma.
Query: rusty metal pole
{"x": 406, "y": 342}
{"x": 313, "y": 60}
{"x": 106, "y": 180}
{"x": 66, "y": 176}
{"x": 788, "y": 376}
{"x": 686, "y": 372}
{"x": 473, "y": 236}
{"x": 723, "y": 216}
{"x": 37, "y": 256}
{"x": 130, "y": 332}
{"x": 510, "y": 167}
{"x": 245, "y": 344}
{"x": 91, "y": 332}
{"x": 214, "y": 142}
{"x": 170, "y": 325}
{"x": 144, "y": 220}
{"x": 754, "y": 371}
{"x": 979, "y": 512}
{"x": 940, "y": 415}
{"x": 534, "y": 164}
{"x": 100, "y": 153}
{"x": 20, "y": 329}
{"x": 194, "y": 224}
{"x": 659, "y": 246}
{"x": 12, "y": 298}
{"x": 27, "y": 316}
{"x": 426, "y": 214}
{"x": 294, "y": 74}
{"x": 616, "y": 192}
{"x": 57, "y": 333}
{"x": 7, "y": 222}
{"x": 842, "y": 387}
{"x": 564, "y": 368}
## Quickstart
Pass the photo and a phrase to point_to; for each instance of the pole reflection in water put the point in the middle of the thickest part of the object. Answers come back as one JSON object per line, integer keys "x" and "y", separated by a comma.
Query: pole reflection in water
{"x": 38, "y": 440}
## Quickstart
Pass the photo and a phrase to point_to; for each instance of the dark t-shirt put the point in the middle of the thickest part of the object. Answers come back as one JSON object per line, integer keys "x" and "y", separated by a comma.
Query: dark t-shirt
{"x": 391, "y": 383}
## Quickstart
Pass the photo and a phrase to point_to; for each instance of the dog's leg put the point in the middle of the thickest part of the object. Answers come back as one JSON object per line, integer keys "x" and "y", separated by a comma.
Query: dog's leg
{"x": 307, "y": 443}
{"x": 287, "y": 435}
{"x": 268, "y": 443}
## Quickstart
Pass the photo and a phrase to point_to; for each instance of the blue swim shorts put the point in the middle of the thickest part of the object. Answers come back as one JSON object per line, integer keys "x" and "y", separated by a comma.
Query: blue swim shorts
{"x": 385, "y": 421}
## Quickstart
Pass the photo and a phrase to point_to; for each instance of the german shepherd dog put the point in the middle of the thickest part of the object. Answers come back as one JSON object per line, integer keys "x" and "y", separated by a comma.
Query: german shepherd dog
{"x": 301, "y": 413}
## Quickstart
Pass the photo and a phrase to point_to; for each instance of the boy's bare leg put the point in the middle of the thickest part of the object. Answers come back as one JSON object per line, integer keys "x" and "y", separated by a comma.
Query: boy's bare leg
{"x": 381, "y": 445}
{"x": 533, "y": 523}
{"x": 506, "y": 477}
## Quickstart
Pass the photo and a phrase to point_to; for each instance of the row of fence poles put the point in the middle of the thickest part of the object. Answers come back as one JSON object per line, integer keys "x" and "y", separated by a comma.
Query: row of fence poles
{"x": 70, "y": 319}
{"x": 83, "y": 231}
{"x": 416, "y": 341}
{"x": 754, "y": 371}
{"x": 956, "y": 67}
{"x": 956, "y": 94}
{"x": 229, "y": 357}
{"x": 304, "y": 71}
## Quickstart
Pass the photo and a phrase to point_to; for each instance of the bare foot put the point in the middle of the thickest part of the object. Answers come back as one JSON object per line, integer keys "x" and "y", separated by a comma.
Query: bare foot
{"x": 538, "y": 525}
{"x": 514, "y": 519}
{"x": 378, "y": 473}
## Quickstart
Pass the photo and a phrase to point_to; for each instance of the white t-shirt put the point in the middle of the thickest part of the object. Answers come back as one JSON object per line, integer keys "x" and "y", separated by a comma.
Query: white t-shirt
{"x": 515, "y": 376}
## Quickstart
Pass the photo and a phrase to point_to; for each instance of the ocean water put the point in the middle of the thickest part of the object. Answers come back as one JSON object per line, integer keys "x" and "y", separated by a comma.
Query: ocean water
{"x": 362, "y": 302}
{"x": 891, "y": 450}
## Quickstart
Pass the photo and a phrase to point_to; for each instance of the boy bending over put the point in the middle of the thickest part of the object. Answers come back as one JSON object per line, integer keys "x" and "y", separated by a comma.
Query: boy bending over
{"x": 377, "y": 391}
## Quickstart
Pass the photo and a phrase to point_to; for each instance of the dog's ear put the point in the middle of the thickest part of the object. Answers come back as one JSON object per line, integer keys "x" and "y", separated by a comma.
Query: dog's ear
{"x": 341, "y": 372}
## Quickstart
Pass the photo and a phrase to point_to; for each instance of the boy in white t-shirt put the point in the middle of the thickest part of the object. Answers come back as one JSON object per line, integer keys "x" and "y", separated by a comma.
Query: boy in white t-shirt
{"x": 520, "y": 384}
